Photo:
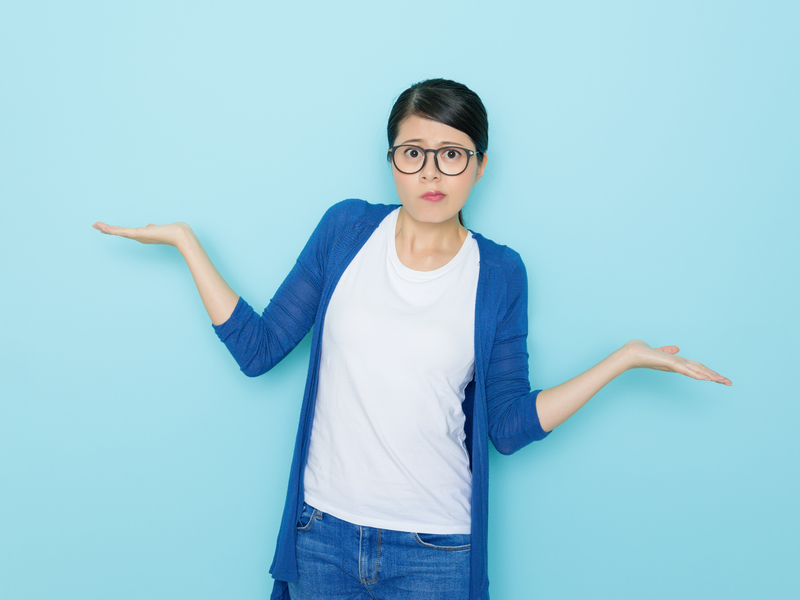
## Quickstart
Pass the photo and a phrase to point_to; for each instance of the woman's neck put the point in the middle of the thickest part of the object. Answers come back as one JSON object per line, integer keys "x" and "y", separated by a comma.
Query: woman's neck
{"x": 427, "y": 246}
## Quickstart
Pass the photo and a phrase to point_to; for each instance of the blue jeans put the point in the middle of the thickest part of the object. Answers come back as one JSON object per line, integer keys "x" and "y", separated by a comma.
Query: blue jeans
{"x": 341, "y": 561}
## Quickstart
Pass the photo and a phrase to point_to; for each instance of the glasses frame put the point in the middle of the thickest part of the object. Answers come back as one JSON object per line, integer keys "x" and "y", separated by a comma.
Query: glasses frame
{"x": 393, "y": 150}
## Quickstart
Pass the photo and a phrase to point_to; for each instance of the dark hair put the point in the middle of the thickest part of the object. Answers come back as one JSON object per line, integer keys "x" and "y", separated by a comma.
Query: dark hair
{"x": 447, "y": 102}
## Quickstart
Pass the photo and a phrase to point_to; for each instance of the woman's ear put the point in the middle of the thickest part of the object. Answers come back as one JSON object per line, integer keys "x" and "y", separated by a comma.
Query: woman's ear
{"x": 481, "y": 167}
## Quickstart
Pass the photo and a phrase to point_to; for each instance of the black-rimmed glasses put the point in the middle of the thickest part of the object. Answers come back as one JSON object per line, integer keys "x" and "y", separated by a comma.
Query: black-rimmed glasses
{"x": 450, "y": 160}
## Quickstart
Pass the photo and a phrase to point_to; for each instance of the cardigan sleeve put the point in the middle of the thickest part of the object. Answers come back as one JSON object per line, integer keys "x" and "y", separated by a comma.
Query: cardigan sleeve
{"x": 513, "y": 419}
{"x": 258, "y": 343}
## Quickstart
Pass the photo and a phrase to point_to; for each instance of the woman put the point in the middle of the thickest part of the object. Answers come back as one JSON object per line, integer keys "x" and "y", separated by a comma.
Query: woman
{"x": 418, "y": 358}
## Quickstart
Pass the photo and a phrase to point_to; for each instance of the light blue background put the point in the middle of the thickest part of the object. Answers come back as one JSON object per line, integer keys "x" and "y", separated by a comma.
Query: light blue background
{"x": 643, "y": 160}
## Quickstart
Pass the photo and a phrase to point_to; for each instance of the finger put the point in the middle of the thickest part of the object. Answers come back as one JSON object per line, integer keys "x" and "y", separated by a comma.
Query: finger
{"x": 108, "y": 229}
{"x": 690, "y": 368}
{"x": 127, "y": 232}
{"x": 702, "y": 366}
{"x": 712, "y": 373}
{"x": 719, "y": 379}
{"x": 698, "y": 371}
{"x": 716, "y": 377}
{"x": 668, "y": 349}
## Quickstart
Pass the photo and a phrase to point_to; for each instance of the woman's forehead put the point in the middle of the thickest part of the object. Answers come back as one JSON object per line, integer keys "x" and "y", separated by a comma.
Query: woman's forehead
{"x": 419, "y": 130}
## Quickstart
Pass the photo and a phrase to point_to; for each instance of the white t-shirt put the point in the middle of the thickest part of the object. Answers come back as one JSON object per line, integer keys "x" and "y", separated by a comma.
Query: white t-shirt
{"x": 387, "y": 444}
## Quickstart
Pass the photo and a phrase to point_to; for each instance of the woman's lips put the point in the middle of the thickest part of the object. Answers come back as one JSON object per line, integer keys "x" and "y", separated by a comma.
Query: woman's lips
{"x": 432, "y": 196}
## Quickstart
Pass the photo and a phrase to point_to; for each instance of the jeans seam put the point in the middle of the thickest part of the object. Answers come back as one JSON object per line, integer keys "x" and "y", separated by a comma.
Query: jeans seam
{"x": 377, "y": 559}
{"x": 462, "y": 548}
{"x": 307, "y": 526}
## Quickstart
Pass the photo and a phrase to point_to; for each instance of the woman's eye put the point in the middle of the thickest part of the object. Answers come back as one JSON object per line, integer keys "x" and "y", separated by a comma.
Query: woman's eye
{"x": 412, "y": 152}
{"x": 452, "y": 154}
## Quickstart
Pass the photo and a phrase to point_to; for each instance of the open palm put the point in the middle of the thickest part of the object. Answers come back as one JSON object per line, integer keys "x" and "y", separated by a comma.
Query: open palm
{"x": 170, "y": 235}
{"x": 666, "y": 358}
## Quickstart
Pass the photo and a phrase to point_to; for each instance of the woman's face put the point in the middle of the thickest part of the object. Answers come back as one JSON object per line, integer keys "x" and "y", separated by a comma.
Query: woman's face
{"x": 453, "y": 191}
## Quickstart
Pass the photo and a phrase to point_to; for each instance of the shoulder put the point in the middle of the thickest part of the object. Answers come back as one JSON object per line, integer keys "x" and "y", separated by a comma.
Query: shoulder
{"x": 345, "y": 225}
{"x": 349, "y": 212}
{"x": 505, "y": 263}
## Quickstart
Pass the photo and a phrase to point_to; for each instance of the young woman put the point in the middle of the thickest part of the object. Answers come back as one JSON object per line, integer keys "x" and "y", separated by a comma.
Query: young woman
{"x": 418, "y": 359}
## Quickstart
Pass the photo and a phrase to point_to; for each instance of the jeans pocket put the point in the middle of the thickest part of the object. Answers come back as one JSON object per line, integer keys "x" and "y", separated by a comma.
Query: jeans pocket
{"x": 306, "y": 517}
{"x": 452, "y": 542}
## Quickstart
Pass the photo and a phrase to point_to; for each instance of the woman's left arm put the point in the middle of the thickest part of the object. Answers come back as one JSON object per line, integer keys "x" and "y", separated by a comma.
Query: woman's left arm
{"x": 557, "y": 404}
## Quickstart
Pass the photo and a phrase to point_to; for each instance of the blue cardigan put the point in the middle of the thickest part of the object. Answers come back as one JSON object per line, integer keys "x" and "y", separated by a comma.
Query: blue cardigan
{"x": 499, "y": 404}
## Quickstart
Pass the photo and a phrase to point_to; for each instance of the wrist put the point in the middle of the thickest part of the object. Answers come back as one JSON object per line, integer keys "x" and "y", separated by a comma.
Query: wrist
{"x": 185, "y": 239}
{"x": 624, "y": 358}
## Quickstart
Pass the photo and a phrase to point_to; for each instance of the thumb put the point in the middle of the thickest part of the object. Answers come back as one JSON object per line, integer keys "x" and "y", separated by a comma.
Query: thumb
{"x": 669, "y": 349}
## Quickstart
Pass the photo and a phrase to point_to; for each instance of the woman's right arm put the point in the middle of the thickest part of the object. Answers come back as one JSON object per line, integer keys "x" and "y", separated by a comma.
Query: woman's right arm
{"x": 257, "y": 342}
{"x": 217, "y": 296}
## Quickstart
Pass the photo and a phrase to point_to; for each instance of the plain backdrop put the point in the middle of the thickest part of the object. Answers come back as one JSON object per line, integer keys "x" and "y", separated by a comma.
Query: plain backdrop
{"x": 644, "y": 162}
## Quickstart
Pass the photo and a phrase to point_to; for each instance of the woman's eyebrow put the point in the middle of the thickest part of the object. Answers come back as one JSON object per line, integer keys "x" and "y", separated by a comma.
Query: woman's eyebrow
{"x": 443, "y": 143}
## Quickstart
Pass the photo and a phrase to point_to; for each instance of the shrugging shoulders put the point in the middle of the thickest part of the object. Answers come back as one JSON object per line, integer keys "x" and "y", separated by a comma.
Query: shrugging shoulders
{"x": 499, "y": 404}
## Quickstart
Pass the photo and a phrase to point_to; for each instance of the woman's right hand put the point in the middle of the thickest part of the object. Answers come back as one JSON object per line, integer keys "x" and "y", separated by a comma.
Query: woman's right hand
{"x": 173, "y": 234}
{"x": 218, "y": 298}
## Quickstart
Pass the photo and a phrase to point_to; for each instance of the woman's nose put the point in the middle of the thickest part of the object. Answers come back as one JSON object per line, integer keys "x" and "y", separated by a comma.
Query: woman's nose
{"x": 429, "y": 170}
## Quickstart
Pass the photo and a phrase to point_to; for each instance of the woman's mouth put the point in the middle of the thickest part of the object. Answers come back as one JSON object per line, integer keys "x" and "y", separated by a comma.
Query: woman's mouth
{"x": 432, "y": 196}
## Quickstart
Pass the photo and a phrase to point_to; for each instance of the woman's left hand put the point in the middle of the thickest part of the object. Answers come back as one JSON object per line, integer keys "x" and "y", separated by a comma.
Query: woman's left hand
{"x": 641, "y": 356}
{"x": 557, "y": 404}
